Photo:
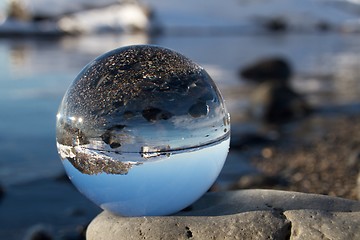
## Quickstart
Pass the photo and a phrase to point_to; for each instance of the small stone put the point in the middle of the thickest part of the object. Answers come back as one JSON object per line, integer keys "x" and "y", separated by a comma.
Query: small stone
{"x": 199, "y": 109}
{"x": 38, "y": 232}
{"x": 153, "y": 114}
{"x": 267, "y": 152}
{"x": 354, "y": 161}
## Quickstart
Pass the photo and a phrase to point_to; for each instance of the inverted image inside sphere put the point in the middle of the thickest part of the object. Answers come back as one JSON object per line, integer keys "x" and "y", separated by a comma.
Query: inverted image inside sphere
{"x": 142, "y": 97}
{"x": 138, "y": 126}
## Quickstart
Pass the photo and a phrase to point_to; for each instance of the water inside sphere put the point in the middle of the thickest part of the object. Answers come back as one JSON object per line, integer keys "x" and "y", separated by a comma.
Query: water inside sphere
{"x": 143, "y": 131}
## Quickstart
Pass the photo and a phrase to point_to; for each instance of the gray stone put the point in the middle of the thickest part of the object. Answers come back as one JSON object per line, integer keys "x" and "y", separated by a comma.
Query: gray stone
{"x": 242, "y": 214}
{"x": 249, "y": 225}
{"x": 232, "y": 202}
{"x": 314, "y": 224}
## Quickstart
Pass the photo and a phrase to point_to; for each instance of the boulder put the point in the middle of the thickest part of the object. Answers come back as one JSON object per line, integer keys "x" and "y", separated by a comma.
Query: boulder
{"x": 249, "y": 225}
{"x": 273, "y": 100}
{"x": 277, "y": 69}
{"x": 241, "y": 214}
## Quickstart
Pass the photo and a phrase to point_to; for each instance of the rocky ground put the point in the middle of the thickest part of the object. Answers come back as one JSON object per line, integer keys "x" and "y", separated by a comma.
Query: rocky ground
{"x": 321, "y": 154}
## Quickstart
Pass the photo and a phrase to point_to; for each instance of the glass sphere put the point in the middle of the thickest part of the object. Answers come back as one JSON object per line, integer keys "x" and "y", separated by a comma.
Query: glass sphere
{"x": 142, "y": 131}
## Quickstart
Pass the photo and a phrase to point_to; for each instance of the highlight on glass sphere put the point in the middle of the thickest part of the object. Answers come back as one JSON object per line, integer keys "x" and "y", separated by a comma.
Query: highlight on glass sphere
{"x": 143, "y": 131}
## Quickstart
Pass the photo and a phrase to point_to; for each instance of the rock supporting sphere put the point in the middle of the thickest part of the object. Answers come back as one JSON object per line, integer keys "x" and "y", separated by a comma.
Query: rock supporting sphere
{"x": 143, "y": 130}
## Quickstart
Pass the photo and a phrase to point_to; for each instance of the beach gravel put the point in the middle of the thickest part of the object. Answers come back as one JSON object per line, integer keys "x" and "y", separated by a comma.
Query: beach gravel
{"x": 320, "y": 156}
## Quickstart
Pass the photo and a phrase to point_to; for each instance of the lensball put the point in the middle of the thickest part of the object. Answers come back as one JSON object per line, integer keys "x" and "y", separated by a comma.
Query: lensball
{"x": 143, "y": 131}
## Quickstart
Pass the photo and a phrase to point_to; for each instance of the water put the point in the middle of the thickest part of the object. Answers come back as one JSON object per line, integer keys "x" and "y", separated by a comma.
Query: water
{"x": 161, "y": 186}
